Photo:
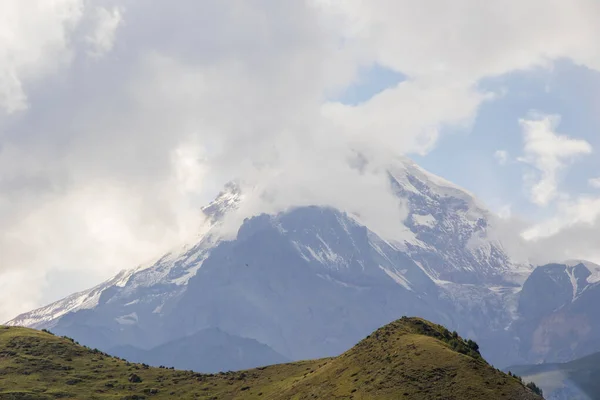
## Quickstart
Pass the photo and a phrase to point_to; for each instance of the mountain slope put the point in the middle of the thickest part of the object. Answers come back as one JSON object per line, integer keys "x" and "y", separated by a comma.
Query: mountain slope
{"x": 307, "y": 293}
{"x": 308, "y": 283}
{"x": 311, "y": 281}
{"x": 558, "y": 318}
{"x": 152, "y": 284}
{"x": 410, "y": 358}
{"x": 450, "y": 228}
{"x": 446, "y": 235}
{"x": 209, "y": 351}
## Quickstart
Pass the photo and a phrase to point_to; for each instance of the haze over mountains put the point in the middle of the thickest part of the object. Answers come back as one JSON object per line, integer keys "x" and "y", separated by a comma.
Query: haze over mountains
{"x": 574, "y": 380}
{"x": 311, "y": 281}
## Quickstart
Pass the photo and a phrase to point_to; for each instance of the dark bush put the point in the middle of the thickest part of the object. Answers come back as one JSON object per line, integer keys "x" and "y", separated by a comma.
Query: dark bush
{"x": 535, "y": 388}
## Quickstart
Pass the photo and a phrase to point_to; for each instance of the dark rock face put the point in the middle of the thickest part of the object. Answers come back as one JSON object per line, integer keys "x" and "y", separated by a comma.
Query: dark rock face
{"x": 558, "y": 314}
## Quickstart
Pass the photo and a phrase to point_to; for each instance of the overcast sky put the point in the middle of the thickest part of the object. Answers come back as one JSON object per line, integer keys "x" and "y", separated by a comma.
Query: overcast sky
{"x": 119, "y": 119}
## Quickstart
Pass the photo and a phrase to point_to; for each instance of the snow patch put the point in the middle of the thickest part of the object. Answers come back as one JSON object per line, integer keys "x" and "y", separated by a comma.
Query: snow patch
{"x": 299, "y": 249}
{"x": 129, "y": 319}
{"x": 424, "y": 220}
{"x": 123, "y": 281}
{"x": 397, "y": 277}
{"x": 592, "y": 267}
{"x": 315, "y": 255}
{"x": 158, "y": 309}
{"x": 323, "y": 255}
{"x": 329, "y": 254}
{"x": 338, "y": 282}
{"x": 570, "y": 271}
{"x": 190, "y": 272}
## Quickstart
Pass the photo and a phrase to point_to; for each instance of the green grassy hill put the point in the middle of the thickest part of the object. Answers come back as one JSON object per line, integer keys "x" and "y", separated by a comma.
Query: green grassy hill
{"x": 407, "y": 359}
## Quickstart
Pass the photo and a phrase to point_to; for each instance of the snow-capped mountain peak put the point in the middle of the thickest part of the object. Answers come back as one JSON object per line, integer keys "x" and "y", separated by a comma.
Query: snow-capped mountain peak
{"x": 592, "y": 267}
{"x": 87, "y": 299}
{"x": 174, "y": 268}
{"x": 227, "y": 200}
{"x": 264, "y": 272}
{"x": 451, "y": 228}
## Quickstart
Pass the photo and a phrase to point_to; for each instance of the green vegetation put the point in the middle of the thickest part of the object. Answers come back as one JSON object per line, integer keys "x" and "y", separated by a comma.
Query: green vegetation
{"x": 407, "y": 359}
{"x": 531, "y": 385}
{"x": 534, "y": 388}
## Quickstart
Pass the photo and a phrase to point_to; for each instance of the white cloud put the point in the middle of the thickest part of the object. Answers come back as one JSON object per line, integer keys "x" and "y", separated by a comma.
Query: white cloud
{"x": 549, "y": 154}
{"x": 583, "y": 210}
{"x": 102, "y": 38}
{"x": 571, "y": 233}
{"x": 34, "y": 42}
{"x": 505, "y": 211}
{"x": 468, "y": 39}
{"x": 408, "y": 117}
{"x": 105, "y": 175}
{"x": 594, "y": 182}
{"x": 501, "y": 157}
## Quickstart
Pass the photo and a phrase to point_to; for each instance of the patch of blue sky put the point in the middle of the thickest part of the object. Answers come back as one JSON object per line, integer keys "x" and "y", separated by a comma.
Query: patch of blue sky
{"x": 371, "y": 80}
{"x": 568, "y": 90}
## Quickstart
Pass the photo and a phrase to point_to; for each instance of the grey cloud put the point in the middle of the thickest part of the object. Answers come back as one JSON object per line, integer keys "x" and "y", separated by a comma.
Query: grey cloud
{"x": 99, "y": 172}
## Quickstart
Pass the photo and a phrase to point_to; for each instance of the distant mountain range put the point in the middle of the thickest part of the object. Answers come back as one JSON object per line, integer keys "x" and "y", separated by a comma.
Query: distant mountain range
{"x": 311, "y": 281}
{"x": 210, "y": 350}
{"x": 558, "y": 319}
{"x": 575, "y": 380}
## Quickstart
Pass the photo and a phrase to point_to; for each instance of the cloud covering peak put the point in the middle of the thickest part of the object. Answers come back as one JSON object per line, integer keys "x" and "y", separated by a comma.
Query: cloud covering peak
{"x": 119, "y": 120}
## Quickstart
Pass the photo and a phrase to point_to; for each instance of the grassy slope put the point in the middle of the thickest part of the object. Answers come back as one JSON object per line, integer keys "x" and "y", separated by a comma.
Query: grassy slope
{"x": 409, "y": 358}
